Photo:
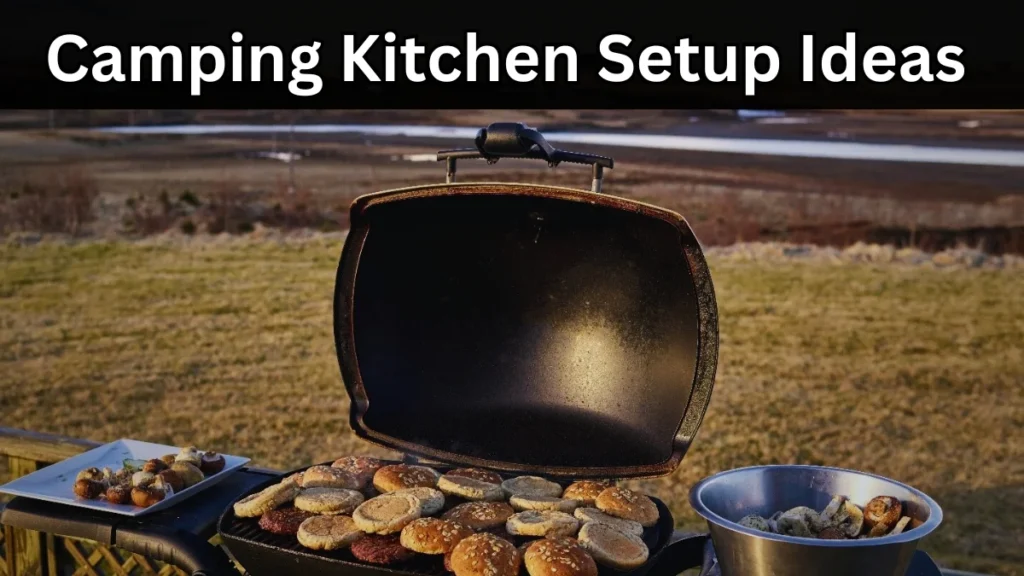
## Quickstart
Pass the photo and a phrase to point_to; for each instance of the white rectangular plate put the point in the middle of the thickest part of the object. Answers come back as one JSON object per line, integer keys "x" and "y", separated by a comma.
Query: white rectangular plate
{"x": 56, "y": 482}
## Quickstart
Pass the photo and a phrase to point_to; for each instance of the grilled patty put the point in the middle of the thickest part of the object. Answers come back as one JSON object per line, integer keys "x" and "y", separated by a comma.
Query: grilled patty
{"x": 284, "y": 521}
{"x": 378, "y": 549}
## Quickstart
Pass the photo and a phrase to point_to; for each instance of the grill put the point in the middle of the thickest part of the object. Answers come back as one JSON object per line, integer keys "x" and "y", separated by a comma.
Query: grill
{"x": 523, "y": 329}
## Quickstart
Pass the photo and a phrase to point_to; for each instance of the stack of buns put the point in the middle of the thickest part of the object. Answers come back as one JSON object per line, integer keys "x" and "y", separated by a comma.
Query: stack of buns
{"x": 479, "y": 523}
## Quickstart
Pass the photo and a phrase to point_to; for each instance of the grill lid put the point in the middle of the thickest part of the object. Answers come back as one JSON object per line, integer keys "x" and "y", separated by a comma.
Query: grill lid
{"x": 524, "y": 328}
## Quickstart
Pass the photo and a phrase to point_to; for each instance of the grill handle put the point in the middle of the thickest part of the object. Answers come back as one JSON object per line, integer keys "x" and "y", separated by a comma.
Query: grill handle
{"x": 517, "y": 140}
{"x": 182, "y": 549}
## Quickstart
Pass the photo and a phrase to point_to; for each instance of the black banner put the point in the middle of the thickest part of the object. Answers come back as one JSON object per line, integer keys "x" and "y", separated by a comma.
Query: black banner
{"x": 101, "y": 55}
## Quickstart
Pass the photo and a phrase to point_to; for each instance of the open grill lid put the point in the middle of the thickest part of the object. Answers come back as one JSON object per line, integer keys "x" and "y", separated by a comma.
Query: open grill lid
{"x": 524, "y": 328}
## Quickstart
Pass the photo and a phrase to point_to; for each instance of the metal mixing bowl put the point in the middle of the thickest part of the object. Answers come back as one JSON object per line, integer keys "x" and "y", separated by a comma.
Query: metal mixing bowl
{"x": 725, "y": 498}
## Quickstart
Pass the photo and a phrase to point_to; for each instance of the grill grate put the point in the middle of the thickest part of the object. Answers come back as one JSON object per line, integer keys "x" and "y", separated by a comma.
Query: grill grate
{"x": 265, "y": 553}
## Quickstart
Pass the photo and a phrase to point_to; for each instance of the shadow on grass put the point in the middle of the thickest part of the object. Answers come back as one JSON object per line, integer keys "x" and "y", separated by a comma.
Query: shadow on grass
{"x": 965, "y": 540}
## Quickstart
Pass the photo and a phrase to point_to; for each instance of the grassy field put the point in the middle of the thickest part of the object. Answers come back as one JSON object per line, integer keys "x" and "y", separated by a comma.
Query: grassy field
{"x": 910, "y": 372}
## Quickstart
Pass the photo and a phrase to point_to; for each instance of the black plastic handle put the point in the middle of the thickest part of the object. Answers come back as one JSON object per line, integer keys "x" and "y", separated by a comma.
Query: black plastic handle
{"x": 182, "y": 549}
{"x": 84, "y": 525}
{"x": 517, "y": 140}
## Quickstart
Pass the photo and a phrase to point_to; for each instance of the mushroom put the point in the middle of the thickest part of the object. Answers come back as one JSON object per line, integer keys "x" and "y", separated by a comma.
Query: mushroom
{"x": 89, "y": 489}
{"x": 811, "y": 517}
{"x": 94, "y": 474}
{"x": 755, "y": 522}
{"x": 122, "y": 476}
{"x": 144, "y": 496}
{"x": 795, "y": 523}
{"x": 163, "y": 486}
{"x": 211, "y": 463}
{"x": 834, "y": 513}
{"x": 878, "y": 530}
{"x": 901, "y": 526}
{"x": 173, "y": 479}
{"x": 884, "y": 510}
{"x": 155, "y": 466}
{"x": 119, "y": 494}
{"x": 190, "y": 455}
{"x": 773, "y": 522}
{"x": 189, "y": 473}
{"x": 141, "y": 478}
{"x": 854, "y": 521}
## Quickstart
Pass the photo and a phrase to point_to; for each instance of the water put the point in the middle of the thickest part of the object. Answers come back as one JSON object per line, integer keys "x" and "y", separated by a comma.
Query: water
{"x": 794, "y": 148}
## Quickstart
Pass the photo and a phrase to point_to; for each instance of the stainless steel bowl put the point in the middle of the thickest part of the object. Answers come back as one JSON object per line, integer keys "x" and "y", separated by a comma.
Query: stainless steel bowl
{"x": 725, "y": 498}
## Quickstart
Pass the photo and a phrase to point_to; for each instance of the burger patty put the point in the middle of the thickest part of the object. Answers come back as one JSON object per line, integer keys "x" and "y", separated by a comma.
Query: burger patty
{"x": 284, "y": 521}
{"x": 378, "y": 549}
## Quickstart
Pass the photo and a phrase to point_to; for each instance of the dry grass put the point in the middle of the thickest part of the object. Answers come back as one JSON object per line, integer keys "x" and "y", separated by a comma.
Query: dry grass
{"x": 62, "y": 202}
{"x": 139, "y": 182}
{"x": 910, "y": 372}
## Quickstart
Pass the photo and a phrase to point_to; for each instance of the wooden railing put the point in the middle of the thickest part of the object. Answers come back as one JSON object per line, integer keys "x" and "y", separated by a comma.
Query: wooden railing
{"x": 29, "y": 553}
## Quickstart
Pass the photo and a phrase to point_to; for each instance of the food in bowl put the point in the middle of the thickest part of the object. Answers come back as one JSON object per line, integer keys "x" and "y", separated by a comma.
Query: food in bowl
{"x": 842, "y": 519}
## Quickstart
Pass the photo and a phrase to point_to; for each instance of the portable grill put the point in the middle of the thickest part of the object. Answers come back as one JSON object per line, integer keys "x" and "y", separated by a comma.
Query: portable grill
{"x": 519, "y": 328}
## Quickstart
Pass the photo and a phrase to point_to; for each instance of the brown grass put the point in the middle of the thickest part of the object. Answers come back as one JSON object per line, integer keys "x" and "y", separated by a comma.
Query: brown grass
{"x": 230, "y": 209}
{"x": 725, "y": 197}
{"x": 910, "y": 372}
{"x": 58, "y": 202}
{"x": 720, "y": 215}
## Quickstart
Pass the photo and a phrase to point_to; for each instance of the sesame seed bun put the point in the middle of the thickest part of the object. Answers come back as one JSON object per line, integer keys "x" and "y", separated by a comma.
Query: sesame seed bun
{"x": 328, "y": 501}
{"x": 400, "y": 476}
{"x": 387, "y": 513}
{"x": 362, "y": 467}
{"x": 327, "y": 477}
{"x": 470, "y": 488}
{"x": 434, "y": 535}
{"x": 586, "y": 515}
{"x": 476, "y": 474}
{"x": 328, "y": 532}
{"x": 521, "y": 503}
{"x": 558, "y": 557}
{"x": 585, "y": 492}
{"x": 431, "y": 500}
{"x": 485, "y": 555}
{"x": 531, "y": 486}
{"x": 542, "y": 523}
{"x": 480, "y": 516}
{"x": 612, "y": 548}
{"x": 629, "y": 505}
